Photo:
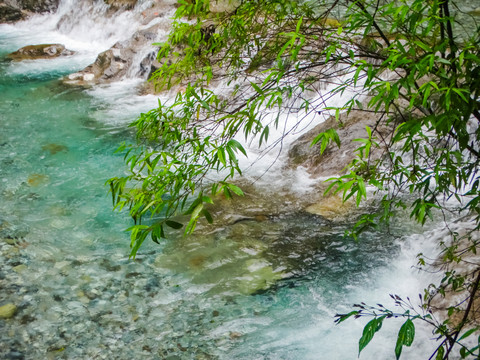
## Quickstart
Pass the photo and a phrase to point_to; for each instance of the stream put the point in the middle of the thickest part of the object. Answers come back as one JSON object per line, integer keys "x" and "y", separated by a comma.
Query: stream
{"x": 256, "y": 289}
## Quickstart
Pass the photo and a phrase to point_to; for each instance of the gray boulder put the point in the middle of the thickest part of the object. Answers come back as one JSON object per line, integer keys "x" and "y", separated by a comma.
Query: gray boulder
{"x": 133, "y": 57}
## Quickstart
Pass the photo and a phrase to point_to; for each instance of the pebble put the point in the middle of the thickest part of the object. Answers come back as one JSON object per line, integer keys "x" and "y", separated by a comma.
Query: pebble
{"x": 7, "y": 311}
{"x": 61, "y": 264}
{"x": 12, "y": 252}
{"x": 14, "y": 355}
{"x": 235, "y": 335}
{"x": 109, "y": 267}
{"x": 20, "y": 268}
{"x": 10, "y": 241}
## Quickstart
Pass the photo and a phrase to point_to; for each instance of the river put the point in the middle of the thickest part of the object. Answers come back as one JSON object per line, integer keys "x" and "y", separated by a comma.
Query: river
{"x": 249, "y": 290}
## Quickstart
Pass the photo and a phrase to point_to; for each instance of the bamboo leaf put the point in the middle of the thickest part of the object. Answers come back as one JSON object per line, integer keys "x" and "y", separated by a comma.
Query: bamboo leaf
{"x": 173, "y": 224}
{"x": 236, "y": 189}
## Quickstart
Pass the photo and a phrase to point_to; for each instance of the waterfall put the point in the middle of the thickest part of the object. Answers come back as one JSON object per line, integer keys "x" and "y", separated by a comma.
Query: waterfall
{"x": 90, "y": 27}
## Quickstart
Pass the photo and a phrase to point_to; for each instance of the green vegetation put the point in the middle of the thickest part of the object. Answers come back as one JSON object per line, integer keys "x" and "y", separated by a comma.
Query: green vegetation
{"x": 410, "y": 62}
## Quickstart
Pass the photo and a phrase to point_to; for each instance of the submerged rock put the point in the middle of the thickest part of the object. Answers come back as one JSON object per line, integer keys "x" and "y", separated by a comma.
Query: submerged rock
{"x": 42, "y": 51}
{"x": 54, "y": 148}
{"x": 13, "y": 229}
{"x": 20, "y": 268}
{"x": 107, "y": 265}
{"x": 236, "y": 264}
{"x": 35, "y": 180}
{"x": 332, "y": 207}
{"x": 14, "y": 355}
{"x": 259, "y": 275}
{"x": 7, "y": 311}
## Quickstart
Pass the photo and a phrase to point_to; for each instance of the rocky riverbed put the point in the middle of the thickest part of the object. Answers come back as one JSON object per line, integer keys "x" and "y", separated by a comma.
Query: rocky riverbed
{"x": 197, "y": 295}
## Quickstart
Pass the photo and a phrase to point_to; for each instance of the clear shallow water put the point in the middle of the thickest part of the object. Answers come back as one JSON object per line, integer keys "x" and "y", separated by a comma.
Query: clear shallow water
{"x": 265, "y": 289}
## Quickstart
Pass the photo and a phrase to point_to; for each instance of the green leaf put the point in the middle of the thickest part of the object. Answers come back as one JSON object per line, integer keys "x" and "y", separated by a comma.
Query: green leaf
{"x": 174, "y": 224}
{"x": 342, "y": 317}
{"x": 207, "y": 199}
{"x": 155, "y": 238}
{"x": 284, "y": 48}
{"x": 299, "y": 24}
{"x": 235, "y": 189}
{"x": 196, "y": 211}
{"x": 325, "y": 138}
{"x": 405, "y": 337}
{"x": 362, "y": 190}
{"x": 193, "y": 219}
{"x": 234, "y": 144}
{"x": 256, "y": 87}
{"x": 221, "y": 156}
{"x": 468, "y": 333}
{"x": 208, "y": 216}
{"x": 368, "y": 332}
{"x": 440, "y": 353}
{"x": 460, "y": 92}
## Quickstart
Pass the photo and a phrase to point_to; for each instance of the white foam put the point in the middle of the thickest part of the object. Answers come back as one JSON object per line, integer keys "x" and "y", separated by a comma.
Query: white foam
{"x": 118, "y": 102}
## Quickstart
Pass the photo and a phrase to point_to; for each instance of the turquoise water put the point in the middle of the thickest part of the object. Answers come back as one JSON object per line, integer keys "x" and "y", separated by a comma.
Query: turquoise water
{"x": 249, "y": 290}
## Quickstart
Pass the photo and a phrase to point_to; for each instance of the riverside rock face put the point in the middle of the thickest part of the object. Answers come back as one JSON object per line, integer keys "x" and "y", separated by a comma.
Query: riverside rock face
{"x": 42, "y": 51}
{"x": 9, "y": 13}
{"x": 333, "y": 161}
{"x": 38, "y": 6}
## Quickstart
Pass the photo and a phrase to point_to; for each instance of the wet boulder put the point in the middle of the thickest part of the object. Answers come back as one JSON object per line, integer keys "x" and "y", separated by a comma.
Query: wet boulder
{"x": 110, "y": 65}
{"x": 42, "y": 51}
{"x": 133, "y": 57}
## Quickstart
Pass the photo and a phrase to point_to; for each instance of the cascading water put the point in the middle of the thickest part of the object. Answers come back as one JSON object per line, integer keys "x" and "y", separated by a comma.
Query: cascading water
{"x": 64, "y": 255}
